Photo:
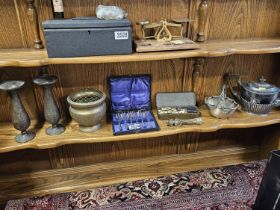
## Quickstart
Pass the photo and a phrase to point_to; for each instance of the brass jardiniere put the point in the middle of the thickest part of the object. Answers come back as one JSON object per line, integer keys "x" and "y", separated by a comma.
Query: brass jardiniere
{"x": 88, "y": 108}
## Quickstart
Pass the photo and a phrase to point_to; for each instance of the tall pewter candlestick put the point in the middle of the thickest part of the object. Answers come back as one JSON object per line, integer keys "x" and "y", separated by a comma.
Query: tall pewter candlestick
{"x": 20, "y": 118}
{"x": 51, "y": 111}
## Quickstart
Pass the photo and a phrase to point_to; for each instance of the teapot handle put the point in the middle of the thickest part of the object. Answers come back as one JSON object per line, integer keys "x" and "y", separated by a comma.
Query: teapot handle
{"x": 228, "y": 77}
{"x": 276, "y": 103}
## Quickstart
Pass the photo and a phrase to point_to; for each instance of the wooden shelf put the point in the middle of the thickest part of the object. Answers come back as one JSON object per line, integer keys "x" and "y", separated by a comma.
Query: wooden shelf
{"x": 72, "y": 134}
{"x": 103, "y": 174}
{"x": 33, "y": 58}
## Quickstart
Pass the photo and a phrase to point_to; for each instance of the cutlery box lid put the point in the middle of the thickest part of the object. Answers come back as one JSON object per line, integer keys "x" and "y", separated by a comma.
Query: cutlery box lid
{"x": 175, "y": 99}
{"x": 130, "y": 92}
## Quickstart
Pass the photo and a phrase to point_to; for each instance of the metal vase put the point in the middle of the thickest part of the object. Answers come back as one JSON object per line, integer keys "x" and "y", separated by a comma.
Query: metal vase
{"x": 51, "y": 112}
{"x": 20, "y": 118}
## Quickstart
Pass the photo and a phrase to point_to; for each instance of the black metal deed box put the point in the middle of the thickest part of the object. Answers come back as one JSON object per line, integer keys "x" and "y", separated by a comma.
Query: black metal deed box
{"x": 86, "y": 36}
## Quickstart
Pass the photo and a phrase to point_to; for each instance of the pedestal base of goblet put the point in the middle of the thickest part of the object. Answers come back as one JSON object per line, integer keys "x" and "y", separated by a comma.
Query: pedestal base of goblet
{"x": 55, "y": 130}
{"x": 25, "y": 136}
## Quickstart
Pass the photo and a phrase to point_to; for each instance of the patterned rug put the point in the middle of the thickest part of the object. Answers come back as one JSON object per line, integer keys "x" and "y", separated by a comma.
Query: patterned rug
{"x": 231, "y": 187}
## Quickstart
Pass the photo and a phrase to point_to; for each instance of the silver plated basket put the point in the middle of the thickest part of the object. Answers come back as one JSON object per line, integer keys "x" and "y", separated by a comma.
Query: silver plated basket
{"x": 221, "y": 106}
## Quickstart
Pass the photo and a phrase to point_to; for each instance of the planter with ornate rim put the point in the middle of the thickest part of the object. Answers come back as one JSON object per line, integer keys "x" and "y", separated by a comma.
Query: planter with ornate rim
{"x": 88, "y": 108}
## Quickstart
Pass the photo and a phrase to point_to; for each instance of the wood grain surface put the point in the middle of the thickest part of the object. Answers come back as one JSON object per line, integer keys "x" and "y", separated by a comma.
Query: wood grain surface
{"x": 72, "y": 134}
{"x": 11, "y": 35}
{"x": 103, "y": 174}
{"x": 35, "y": 58}
{"x": 30, "y": 160}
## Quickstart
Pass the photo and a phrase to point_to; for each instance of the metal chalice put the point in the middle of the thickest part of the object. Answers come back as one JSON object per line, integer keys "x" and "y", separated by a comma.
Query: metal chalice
{"x": 51, "y": 112}
{"x": 20, "y": 118}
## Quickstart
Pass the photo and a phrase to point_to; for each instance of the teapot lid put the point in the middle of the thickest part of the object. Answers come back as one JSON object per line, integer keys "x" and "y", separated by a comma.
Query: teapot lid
{"x": 262, "y": 87}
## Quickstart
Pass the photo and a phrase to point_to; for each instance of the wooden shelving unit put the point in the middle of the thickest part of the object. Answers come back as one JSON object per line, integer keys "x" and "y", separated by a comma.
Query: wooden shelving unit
{"x": 35, "y": 58}
{"x": 72, "y": 134}
{"x": 38, "y": 172}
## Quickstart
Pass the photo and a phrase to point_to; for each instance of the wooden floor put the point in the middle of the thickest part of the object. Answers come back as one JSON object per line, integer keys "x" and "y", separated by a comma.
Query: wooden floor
{"x": 72, "y": 134}
{"x": 32, "y": 58}
{"x": 103, "y": 174}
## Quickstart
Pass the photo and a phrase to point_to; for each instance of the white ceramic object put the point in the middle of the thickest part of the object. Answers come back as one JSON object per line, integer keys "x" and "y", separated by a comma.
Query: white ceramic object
{"x": 110, "y": 12}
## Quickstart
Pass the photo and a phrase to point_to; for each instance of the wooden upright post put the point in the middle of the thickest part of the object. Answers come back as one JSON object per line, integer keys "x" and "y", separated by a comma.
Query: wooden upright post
{"x": 203, "y": 10}
{"x": 198, "y": 62}
{"x": 33, "y": 19}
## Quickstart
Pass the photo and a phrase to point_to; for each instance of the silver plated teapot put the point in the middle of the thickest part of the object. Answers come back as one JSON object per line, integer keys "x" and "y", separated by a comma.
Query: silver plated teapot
{"x": 259, "y": 92}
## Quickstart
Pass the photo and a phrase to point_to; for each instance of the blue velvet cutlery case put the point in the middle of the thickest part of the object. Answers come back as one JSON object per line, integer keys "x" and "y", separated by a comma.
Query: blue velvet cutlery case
{"x": 131, "y": 104}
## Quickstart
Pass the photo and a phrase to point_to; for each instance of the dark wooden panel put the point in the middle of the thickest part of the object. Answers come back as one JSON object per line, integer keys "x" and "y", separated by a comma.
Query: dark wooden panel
{"x": 270, "y": 139}
{"x": 26, "y": 160}
{"x": 200, "y": 141}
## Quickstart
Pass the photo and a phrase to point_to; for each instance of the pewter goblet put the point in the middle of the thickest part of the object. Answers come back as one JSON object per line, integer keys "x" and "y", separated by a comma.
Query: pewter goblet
{"x": 20, "y": 118}
{"x": 51, "y": 111}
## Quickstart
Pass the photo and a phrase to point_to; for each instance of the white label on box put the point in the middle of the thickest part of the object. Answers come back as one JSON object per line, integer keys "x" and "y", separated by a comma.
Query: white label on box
{"x": 119, "y": 35}
{"x": 58, "y": 6}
